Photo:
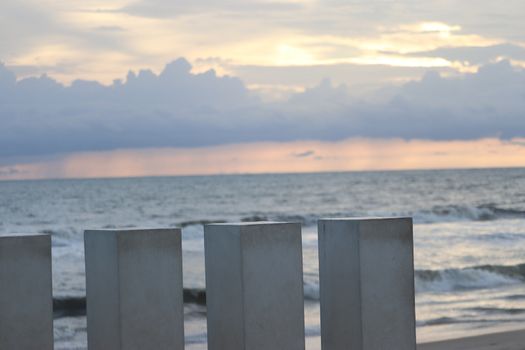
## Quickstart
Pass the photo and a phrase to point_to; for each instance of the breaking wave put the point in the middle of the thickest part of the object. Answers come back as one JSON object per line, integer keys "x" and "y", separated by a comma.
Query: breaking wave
{"x": 485, "y": 212}
{"x": 72, "y": 306}
{"x": 476, "y": 277}
{"x": 444, "y": 213}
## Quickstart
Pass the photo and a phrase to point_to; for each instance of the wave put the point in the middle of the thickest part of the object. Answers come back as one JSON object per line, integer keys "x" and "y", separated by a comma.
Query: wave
{"x": 202, "y": 222}
{"x": 476, "y": 277}
{"x": 451, "y": 280}
{"x": 484, "y": 212}
{"x": 311, "y": 291}
{"x": 498, "y": 310}
{"x": 307, "y": 220}
{"x": 194, "y": 296}
{"x": 447, "y": 280}
{"x": 470, "y": 320}
{"x": 436, "y": 214}
{"x": 439, "y": 213}
{"x": 74, "y": 306}
{"x": 69, "y": 307}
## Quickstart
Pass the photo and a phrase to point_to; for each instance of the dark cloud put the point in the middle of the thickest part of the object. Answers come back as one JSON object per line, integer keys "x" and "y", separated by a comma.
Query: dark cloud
{"x": 177, "y": 108}
{"x": 40, "y": 116}
{"x": 9, "y": 171}
{"x": 304, "y": 154}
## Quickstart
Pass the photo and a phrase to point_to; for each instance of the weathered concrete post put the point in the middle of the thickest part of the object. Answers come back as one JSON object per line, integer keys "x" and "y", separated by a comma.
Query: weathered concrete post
{"x": 26, "y": 302}
{"x": 134, "y": 289}
{"x": 254, "y": 285}
{"x": 366, "y": 277}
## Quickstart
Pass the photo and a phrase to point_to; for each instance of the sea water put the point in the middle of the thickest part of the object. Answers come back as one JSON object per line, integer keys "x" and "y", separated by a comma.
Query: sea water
{"x": 469, "y": 235}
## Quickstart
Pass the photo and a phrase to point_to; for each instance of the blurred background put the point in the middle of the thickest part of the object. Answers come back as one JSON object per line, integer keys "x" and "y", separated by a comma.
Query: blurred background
{"x": 132, "y": 113}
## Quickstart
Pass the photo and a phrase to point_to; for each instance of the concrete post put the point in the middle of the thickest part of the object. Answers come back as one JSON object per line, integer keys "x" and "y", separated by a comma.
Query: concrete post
{"x": 134, "y": 289}
{"x": 366, "y": 277}
{"x": 26, "y": 302}
{"x": 254, "y": 284}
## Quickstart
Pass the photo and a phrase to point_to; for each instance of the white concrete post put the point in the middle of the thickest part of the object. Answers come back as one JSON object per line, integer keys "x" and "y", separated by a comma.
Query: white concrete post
{"x": 26, "y": 302}
{"x": 134, "y": 289}
{"x": 254, "y": 285}
{"x": 366, "y": 277}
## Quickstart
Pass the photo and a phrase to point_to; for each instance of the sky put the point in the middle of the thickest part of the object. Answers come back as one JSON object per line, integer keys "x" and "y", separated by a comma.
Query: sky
{"x": 157, "y": 87}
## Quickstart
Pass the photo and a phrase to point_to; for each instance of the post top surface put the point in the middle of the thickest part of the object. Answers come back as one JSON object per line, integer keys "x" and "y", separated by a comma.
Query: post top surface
{"x": 130, "y": 230}
{"x": 23, "y": 235}
{"x": 367, "y": 218}
{"x": 252, "y": 223}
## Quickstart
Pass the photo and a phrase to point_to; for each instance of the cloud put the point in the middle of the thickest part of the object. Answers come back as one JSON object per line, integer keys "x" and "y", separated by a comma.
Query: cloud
{"x": 110, "y": 28}
{"x": 177, "y": 108}
{"x": 303, "y": 154}
{"x": 40, "y": 115}
{"x": 171, "y": 9}
{"x": 357, "y": 77}
{"x": 477, "y": 54}
{"x": 298, "y": 41}
{"x": 340, "y": 17}
{"x": 516, "y": 142}
{"x": 10, "y": 172}
{"x": 72, "y": 39}
{"x": 263, "y": 157}
{"x": 22, "y": 19}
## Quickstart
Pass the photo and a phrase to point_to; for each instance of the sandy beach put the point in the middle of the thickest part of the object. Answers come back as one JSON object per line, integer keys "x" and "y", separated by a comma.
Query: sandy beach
{"x": 510, "y": 340}
{"x": 513, "y": 340}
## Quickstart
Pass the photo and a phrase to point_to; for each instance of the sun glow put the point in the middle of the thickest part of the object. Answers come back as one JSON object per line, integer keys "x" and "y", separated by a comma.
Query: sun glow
{"x": 402, "y": 61}
{"x": 288, "y": 55}
{"x": 439, "y": 27}
{"x": 126, "y": 41}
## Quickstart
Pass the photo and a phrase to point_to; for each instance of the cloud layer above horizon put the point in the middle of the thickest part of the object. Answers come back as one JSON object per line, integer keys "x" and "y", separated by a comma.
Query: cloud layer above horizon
{"x": 269, "y": 44}
{"x": 178, "y": 108}
{"x": 257, "y": 71}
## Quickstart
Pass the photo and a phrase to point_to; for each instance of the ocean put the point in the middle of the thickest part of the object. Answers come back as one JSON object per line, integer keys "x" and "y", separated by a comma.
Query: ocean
{"x": 469, "y": 235}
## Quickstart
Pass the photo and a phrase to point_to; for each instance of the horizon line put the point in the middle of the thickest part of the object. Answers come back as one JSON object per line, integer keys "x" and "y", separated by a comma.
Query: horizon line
{"x": 386, "y": 170}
